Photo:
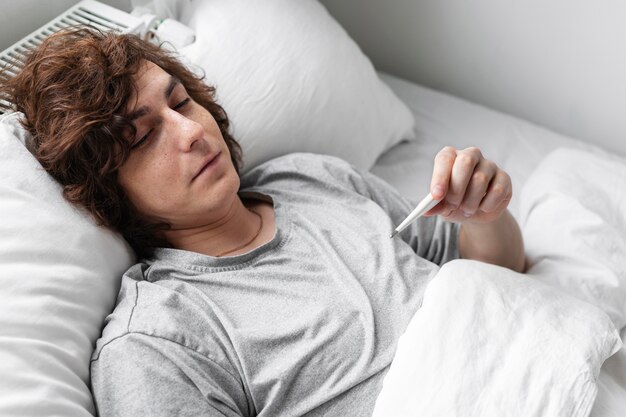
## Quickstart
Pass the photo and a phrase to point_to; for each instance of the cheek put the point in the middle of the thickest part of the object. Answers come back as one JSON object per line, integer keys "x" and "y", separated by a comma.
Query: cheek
{"x": 207, "y": 120}
{"x": 148, "y": 185}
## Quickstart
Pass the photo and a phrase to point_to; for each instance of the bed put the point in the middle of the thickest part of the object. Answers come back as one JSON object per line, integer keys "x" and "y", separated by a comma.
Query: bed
{"x": 292, "y": 80}
{"x": 522, "y": 149}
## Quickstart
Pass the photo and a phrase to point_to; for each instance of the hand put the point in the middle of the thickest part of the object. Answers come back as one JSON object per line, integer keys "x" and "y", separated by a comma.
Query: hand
{"x": 471, "y": 188}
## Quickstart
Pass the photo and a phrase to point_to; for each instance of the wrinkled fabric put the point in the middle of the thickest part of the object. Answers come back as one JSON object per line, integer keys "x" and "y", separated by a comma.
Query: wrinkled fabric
{"x": 492, "y": 342}
{"x": 306, "y": 324}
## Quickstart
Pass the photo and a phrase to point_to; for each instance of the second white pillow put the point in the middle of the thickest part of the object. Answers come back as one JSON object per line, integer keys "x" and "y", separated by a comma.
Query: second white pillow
{"x": 291, "y": 79}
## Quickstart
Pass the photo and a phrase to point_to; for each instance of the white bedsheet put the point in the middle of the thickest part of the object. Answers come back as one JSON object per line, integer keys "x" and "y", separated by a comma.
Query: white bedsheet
{"x": 519, "y": 147}
{"x": 440, "y": 119}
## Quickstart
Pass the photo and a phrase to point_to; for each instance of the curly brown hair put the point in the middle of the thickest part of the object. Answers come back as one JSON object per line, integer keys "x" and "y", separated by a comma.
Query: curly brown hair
{"x": 73, "y": 91}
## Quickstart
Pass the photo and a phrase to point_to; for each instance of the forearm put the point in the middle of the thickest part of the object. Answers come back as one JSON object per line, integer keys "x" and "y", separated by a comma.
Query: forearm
{"x": 498, "y": 242}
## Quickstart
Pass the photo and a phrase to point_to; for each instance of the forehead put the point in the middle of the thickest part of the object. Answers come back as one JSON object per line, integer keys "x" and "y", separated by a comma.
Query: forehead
{"x": 149, "y": 78}
{"x": 151, "y": 85}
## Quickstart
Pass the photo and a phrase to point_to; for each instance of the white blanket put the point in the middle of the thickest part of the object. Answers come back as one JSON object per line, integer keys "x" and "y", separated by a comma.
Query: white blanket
{"x": 573, "y": 215}
{"x": 491, "y": 342}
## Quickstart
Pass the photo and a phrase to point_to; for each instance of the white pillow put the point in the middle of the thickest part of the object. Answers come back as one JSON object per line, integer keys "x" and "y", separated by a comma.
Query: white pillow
{"x": 59, "y": 279}
{"x": 291, "y": 79}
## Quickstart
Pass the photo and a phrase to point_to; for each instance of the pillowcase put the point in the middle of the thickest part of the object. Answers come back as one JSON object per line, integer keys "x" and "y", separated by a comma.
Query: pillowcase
{"x": 60, "y": 276}
{"x": 292, "y": 80}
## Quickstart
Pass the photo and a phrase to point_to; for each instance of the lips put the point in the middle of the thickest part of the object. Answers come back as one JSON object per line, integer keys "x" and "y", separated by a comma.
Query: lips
{"x": 207, "y": 165}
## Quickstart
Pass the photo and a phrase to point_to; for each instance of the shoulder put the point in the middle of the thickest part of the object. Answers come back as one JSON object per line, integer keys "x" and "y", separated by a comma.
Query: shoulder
{"x": 117, "y": 323}
{"x": 308, "y": 159}
{"x": 301, "y": 161}
{"x": 302, "y": 168}
{"x": 165, "y": 312}
{"x": 155, "y": 345}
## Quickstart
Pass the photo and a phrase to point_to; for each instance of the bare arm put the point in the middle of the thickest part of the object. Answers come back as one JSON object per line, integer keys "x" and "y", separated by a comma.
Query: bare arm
{"x": 499, "y": 242}
{"x": 476, "y": 192}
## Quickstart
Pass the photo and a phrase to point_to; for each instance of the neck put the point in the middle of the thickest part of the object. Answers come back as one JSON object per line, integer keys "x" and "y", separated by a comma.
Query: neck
{"x": 222, "y": 235}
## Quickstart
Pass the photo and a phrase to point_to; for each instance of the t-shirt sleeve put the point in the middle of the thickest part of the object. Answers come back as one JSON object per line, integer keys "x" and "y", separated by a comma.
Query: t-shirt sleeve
{"x": 431, "y": 238}
{"x": 140, "y": 375}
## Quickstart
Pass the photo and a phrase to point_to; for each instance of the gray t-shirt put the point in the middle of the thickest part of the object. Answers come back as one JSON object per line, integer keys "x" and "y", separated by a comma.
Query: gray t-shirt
{"x": 305, "y": 325}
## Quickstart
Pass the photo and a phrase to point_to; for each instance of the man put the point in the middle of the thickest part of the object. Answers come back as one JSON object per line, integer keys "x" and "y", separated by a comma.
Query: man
{"x": 275, "y": 293}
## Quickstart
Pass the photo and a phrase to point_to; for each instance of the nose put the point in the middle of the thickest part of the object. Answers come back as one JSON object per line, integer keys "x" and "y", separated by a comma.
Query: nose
{"x": 183, "y": 131}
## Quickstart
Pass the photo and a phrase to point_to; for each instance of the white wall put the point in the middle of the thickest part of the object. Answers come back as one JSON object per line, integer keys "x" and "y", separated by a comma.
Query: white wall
{"x": 558, "y": 63}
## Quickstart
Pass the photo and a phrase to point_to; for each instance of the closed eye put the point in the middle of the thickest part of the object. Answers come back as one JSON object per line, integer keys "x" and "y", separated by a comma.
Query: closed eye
{"x": 141, "y": 140}
{"x": 145, "y": 137}
{"x": 182, "y": 104}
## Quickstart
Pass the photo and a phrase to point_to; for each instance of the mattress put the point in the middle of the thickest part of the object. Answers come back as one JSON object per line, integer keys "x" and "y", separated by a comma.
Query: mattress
{"x": 516, "y": 145}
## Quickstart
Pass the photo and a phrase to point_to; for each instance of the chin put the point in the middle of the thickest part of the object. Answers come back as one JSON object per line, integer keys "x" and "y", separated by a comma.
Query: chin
{"x": 229, "y": 184}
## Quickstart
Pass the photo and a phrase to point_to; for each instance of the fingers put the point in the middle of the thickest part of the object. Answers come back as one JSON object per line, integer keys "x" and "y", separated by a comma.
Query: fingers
{"x": 465, "y": 173}
{"x": 499, "y": 193}
{"x": 469, "y": 185}
{"x": 477, "y": 188}
{"x": 444, "y": 161}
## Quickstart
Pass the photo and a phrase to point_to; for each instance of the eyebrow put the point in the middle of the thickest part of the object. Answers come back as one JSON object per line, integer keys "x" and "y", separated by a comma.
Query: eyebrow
{"x": 144, "y": 110}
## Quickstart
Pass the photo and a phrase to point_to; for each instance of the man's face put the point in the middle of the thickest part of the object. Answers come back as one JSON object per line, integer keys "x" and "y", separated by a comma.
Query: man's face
{"x": 179, "y": 170}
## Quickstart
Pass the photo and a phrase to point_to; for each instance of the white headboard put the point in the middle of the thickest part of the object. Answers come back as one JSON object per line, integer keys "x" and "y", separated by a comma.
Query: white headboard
{"x": 19, "y": 18}
{"x": 558, "y": 63}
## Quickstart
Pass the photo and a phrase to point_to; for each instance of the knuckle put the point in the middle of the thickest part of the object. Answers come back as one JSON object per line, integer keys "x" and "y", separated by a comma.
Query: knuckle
{"x": 469, "y": 207}
{"x": 499, "y": 191}
{"x": 490, "y": 165}
{"x": 480, "y": 178}
{"x": 446, "y": 154}
{"x": 442, "y": 158}
{"x": 448, "y": 150}
{"x": 453, "y": 201}
{"x": 475, "y": 151}
{"x": 466, "y": 160}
